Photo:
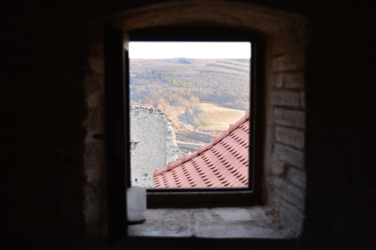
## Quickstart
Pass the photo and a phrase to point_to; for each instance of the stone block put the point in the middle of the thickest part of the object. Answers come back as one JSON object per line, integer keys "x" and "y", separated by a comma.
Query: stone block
{"x": 163, "y": 228}
{"x": 293, "y": 80}
{"x": 203, "y": 215}
{"x": 289, "y": 62}
{"x": 247, "y": 222}
{"x": 296, "y": 176}
{"x": 286, "y": 98}
{"x": 277, "y": 167}
{"x": 302, "y": 99}
{"x": 291, "y": 193}
{"x": 289, "y": 117}
{"x": 278, "y": 80}
{"x": 167, "y": 215}
{"x": 290, "y": 137}
{"x": 291, "y": 216}
{"x": 240, "y": 230}
{"x": 289, "y": 155}
{"x": 232, "y": 214}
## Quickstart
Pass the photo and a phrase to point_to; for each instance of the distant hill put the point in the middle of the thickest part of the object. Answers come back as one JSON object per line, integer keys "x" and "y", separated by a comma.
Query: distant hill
{"x": 175, "y": 84}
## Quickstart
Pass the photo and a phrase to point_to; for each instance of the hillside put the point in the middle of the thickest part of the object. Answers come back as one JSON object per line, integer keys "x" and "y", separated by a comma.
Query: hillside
{"x": 173, "y": 85}
{"x": 209, "y": 116}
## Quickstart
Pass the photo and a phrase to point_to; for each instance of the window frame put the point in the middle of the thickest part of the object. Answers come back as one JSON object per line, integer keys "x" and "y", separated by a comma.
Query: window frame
{"x": 118, "y": 130}
{"x": 211, "y": 197}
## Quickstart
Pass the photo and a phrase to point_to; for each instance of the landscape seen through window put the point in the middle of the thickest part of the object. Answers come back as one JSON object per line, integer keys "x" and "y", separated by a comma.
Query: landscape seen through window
{"x": 184, "y": 97}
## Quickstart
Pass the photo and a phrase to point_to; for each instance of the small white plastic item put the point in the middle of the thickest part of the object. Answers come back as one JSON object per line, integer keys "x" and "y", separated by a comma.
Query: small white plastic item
{"x": 136, "y": 204}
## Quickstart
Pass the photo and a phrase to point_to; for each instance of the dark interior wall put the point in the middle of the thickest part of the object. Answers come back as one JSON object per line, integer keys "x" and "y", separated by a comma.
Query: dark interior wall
{"x": 340, "y": 156}
{"x": 44, "y": 59}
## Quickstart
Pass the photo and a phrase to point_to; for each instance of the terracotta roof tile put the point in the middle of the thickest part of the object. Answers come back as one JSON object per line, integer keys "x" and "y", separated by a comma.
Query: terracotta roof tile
{"x": 221, "y": 163}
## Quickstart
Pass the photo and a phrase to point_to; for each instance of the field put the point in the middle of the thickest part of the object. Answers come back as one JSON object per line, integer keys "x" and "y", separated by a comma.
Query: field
{"x": 210, "y": 116}
{"x": 193, "y": 136}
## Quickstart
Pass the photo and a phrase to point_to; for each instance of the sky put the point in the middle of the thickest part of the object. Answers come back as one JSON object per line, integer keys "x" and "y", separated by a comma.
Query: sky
{"x": 208, "y": 50}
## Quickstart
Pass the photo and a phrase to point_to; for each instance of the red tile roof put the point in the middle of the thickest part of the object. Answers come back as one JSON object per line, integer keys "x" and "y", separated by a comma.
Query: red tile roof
{"x": 221, "y": 163}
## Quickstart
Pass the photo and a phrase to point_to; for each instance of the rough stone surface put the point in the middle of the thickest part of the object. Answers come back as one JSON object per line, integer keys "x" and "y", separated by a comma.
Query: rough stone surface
{"x": 156, "y": 145}
{"x": 240, "y": 230}
{"x": 249, "y": 222}
{"x": 293, "y": 80}
{"x": 291, "y": 62}
{"x": 291, "y": 193}
{"x": 290, "y": 137}
{"x": 278, "y": 80}
{"x": 291, "y": 215}
{"x": 277, "y": 167}
{"x": 286, "y": 98}
{"x": 296, "y": 176}
{"x": 289, "y": 155}
{"x": 94, "y": 158}
{"x": 302, "y": 99}
{"x": 203, "y": 215}
{"x": 232, "y": 214}
{"x": 163, "y": 222}
{"x": 289, "y": 117}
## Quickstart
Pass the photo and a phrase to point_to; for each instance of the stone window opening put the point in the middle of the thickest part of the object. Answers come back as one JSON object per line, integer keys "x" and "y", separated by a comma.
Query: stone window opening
{"x": 181, "y": 80}
{"x": 230, "y": 196}
{"x": 283, "y": 176}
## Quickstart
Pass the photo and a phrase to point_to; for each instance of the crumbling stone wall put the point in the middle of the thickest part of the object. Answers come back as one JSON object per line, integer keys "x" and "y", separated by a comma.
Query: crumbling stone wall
{"x": 156, "y": 145}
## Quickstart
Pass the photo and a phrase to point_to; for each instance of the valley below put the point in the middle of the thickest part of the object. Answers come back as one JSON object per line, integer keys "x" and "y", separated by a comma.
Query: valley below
{"x": 200, "y": 96}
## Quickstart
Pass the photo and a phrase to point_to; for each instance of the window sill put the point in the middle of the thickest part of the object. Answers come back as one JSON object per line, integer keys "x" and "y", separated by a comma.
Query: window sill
{"x": 236, "y": 222}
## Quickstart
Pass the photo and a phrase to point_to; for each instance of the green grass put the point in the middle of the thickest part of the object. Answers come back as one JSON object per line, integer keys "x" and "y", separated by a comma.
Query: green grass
{"x": 210, "y": 116}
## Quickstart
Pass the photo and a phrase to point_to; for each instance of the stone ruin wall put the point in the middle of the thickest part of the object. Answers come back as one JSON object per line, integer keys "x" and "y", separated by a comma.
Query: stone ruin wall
{"x": 155, "y": 144}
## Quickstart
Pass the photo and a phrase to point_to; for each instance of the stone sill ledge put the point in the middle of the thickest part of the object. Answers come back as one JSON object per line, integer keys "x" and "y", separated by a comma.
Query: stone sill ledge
{"x": 247, "y": 222}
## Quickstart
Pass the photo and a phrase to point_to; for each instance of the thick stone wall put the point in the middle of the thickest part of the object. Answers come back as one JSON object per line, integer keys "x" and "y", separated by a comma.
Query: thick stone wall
{"x": 94, "y": 159}
{"x": 156, "y": 145}
{"x": 45, "y": 148}
{"x": 286, "y": 38}
{"x": 288, "y": 154}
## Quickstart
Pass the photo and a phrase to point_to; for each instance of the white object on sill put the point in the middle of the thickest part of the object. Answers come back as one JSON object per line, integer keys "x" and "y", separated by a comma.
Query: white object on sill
{"x": 136, "y": 204}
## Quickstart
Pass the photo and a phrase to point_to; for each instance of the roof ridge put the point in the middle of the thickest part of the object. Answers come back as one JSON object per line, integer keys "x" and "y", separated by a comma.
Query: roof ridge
{"x": 201, "y": 149}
